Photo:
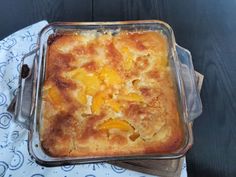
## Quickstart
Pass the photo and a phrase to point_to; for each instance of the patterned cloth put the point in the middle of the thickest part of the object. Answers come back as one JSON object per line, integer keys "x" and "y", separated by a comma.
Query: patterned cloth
{"x": 14, "y": 158}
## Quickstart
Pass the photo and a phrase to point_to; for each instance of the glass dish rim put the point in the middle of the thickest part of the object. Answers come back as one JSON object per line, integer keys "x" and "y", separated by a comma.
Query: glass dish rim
{"x": 91, "y": 159}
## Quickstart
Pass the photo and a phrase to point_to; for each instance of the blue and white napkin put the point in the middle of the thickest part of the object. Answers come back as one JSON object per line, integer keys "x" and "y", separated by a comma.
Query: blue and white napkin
{"x": 14, "y": 158}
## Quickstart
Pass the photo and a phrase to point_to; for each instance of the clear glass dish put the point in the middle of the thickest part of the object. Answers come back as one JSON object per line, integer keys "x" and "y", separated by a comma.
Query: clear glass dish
{"x": 28, "y": 103}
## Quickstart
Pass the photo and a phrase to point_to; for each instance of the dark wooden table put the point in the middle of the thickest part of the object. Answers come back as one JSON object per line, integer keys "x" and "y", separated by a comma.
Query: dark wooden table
{"x": 206, "y": 28}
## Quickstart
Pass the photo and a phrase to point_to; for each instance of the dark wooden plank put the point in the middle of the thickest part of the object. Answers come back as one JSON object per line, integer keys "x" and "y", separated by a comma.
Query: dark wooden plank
{"x": 18, "y": 14}
{"x": 105, "y": 10}
{"x": 207, "y": 29}
{"x": 209, "y": 33}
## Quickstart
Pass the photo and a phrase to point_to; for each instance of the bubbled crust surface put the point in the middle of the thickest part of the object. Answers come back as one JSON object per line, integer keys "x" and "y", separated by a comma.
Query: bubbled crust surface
{"x": 108, "y": 95}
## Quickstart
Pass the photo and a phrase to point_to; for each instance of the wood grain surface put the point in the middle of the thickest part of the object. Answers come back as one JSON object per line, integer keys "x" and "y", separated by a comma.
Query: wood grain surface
{"x": 206, "y": 28}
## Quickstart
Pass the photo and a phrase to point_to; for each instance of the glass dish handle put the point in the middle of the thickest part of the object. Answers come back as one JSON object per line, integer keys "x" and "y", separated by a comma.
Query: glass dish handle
{"x": 193, "y": 100}
{"x": 24, "y": 101}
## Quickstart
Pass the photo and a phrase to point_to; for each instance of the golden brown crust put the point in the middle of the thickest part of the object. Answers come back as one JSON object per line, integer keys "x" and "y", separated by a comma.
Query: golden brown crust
{"x": 109, "y": 95}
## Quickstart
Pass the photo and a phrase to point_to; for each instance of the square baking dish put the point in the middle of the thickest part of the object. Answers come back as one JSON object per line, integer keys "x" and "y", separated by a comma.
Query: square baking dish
{"x": 28, "y": 110}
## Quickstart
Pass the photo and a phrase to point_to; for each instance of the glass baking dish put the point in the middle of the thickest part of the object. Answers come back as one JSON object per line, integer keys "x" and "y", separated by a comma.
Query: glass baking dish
{"x": 29, "y": 98}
